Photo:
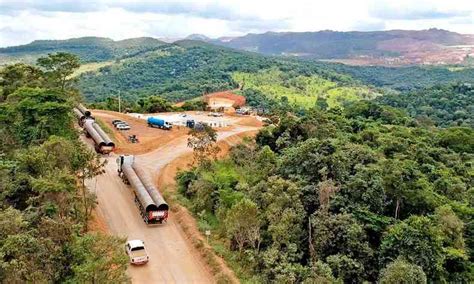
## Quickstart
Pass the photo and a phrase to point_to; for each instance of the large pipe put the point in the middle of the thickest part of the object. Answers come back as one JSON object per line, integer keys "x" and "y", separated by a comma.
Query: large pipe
{"x": 140, "y": 191}
{"x": 84, "y": 110}
{"x": 150, "y": 187}
{"x": 88, "y": 125}
{"x": 78, "y": 113}
{"x": 104, "y": 136}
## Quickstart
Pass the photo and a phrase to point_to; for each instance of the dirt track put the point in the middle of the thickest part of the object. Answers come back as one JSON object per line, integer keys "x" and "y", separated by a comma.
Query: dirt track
{"x": 172, "y": 257}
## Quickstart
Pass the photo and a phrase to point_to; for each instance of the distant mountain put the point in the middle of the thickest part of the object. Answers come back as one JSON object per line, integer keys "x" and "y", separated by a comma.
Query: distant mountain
{"x": 89, "y": 49}
{"x": 396, "y": 47}
{"x": 198, "y": 37}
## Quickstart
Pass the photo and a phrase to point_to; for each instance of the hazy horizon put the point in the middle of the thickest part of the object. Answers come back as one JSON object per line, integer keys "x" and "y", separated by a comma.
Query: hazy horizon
{"x": 171, "y": 39}
{"x": 24, "y": 21}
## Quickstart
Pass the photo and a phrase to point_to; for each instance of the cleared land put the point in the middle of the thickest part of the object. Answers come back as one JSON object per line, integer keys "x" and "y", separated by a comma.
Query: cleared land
{"x": 173, "y": 258}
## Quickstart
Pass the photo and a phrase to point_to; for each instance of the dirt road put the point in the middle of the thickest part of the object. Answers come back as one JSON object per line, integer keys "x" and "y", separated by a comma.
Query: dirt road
{"x": 172, "y": 258}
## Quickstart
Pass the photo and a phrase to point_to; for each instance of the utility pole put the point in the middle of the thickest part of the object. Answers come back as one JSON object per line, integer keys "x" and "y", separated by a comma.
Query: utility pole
{"x": 120, "y": 109}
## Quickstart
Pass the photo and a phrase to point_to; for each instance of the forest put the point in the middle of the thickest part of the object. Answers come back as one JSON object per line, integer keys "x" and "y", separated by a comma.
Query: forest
{"x": 88, "y": 49}
{"x": 189, "y": 69}
{"x": 341, "y": 196}
{"x": 365, "y": 190}
{"x": 441, "y": 105}
{"x": 45, "y": 206}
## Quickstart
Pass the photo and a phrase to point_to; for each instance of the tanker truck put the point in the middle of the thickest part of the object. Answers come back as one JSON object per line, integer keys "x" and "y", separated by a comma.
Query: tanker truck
{"x": 103, "y": 144}
{"x": 151, "y": 204}
{"x": 158, "y": 122}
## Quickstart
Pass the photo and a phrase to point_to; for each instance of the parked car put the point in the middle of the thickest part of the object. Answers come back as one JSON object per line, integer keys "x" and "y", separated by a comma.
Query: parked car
{"x": 116, "y": 121}
{"x": 123, "y": 126}
{"x": 215, "y": 114}
{"x": 136, "y": 251}
{"x": 120, "y": 123}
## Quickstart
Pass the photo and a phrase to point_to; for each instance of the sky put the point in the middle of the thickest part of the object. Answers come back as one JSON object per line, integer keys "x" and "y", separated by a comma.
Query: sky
{"x": 24, "y": 21}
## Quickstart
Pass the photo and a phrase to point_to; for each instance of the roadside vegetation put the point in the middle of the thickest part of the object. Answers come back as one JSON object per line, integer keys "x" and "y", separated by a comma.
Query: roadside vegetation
{"x": 45, "y": 206}
{"x": 362, "y": 194}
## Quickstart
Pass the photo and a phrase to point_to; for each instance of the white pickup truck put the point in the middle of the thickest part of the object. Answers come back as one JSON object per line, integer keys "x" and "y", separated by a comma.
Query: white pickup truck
{"x": 136, "y": 251}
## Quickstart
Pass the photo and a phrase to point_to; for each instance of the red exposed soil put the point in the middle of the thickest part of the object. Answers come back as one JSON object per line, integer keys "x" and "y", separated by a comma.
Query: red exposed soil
{"x": 238, "y": 100}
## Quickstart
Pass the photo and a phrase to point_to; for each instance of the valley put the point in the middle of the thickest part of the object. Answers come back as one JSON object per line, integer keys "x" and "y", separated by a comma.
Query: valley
{"x": 257, "y": 159}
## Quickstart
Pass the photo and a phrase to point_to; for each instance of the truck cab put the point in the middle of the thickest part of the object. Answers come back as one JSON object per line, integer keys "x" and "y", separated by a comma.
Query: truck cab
{"x": 159, "y": 123}
{"x": 136, "y": 251}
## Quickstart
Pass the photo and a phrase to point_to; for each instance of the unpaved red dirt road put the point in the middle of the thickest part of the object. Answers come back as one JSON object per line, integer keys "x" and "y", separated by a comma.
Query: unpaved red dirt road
{"x": 172, "y": 257}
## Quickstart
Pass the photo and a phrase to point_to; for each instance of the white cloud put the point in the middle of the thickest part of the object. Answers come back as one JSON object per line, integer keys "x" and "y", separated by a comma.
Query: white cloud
{"x": 24, "y": 21}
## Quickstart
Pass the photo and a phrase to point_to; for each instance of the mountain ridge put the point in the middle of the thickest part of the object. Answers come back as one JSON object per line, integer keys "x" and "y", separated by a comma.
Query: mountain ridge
{"x": 386, "y": 48}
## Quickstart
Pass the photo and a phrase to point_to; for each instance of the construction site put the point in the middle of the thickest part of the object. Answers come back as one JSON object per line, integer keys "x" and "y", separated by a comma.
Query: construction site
{"x": 139, "y": 177}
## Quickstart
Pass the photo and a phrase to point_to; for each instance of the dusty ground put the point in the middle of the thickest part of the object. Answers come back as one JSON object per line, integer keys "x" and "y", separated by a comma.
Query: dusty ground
{"x": 173, "y": 257}
{"x": 154, "y": 138}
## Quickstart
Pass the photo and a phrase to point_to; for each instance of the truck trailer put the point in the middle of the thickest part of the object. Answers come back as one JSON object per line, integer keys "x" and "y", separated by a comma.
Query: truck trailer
{"x": 103, "y": 144}
{"x": 158, "y": 122}
{"x": 82, "y": 114}
{"x": 151, "y": 204}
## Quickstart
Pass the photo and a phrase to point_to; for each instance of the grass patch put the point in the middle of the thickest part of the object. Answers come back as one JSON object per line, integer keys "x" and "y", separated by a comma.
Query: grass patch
{"x": 91, "y": 67}
{"x": 301, "y": 91}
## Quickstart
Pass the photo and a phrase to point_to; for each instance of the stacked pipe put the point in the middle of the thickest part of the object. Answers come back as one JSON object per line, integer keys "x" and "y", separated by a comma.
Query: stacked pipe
{"x": 148, "y": 196}
{"x": 102, "y": 134}
{"x": 82, "y": 114}
{"x": 103, "y": 143}
{"x": 150, "y": 187}
{"x": 142, "y": 194}
{"x": 89, "y": 126}
{"x": 84, "y": 110}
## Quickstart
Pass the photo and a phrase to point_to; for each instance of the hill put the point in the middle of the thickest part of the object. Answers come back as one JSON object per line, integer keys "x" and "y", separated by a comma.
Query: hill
{"x": 396, "y": 47}
{"x": 188, "y": 69}
{"x": 89, "y": 49}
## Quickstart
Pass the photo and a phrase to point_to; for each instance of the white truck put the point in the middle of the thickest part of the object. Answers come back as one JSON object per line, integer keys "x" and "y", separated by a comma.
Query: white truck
{"x": 136, "y": 251}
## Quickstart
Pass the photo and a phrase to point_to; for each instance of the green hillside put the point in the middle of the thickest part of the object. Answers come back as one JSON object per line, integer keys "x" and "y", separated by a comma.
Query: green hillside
{"x": 143, "y": 67}
{"x": 332, "y": 44}
{"x": 301, "y": 90}
{"x": 89, "y": 49}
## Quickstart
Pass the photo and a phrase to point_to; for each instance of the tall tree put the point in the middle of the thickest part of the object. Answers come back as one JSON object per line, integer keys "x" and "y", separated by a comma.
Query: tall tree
{"x": 59, "y": 67}
{"x": 243, "y": 224}
{"x": 402, "y": 272}
{"x": 203, "y": 141}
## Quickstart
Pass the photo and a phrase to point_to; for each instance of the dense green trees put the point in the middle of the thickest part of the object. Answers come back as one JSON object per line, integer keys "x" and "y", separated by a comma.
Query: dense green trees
{"x": 402, "y": 272}
{"x": 44, "y": 203}
{"x": 443, "y": 105}
{"x": 360, "y": 194}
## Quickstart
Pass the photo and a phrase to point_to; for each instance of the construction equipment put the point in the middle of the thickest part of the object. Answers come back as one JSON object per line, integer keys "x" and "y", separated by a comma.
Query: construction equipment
{"x": 133, "y": 138}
